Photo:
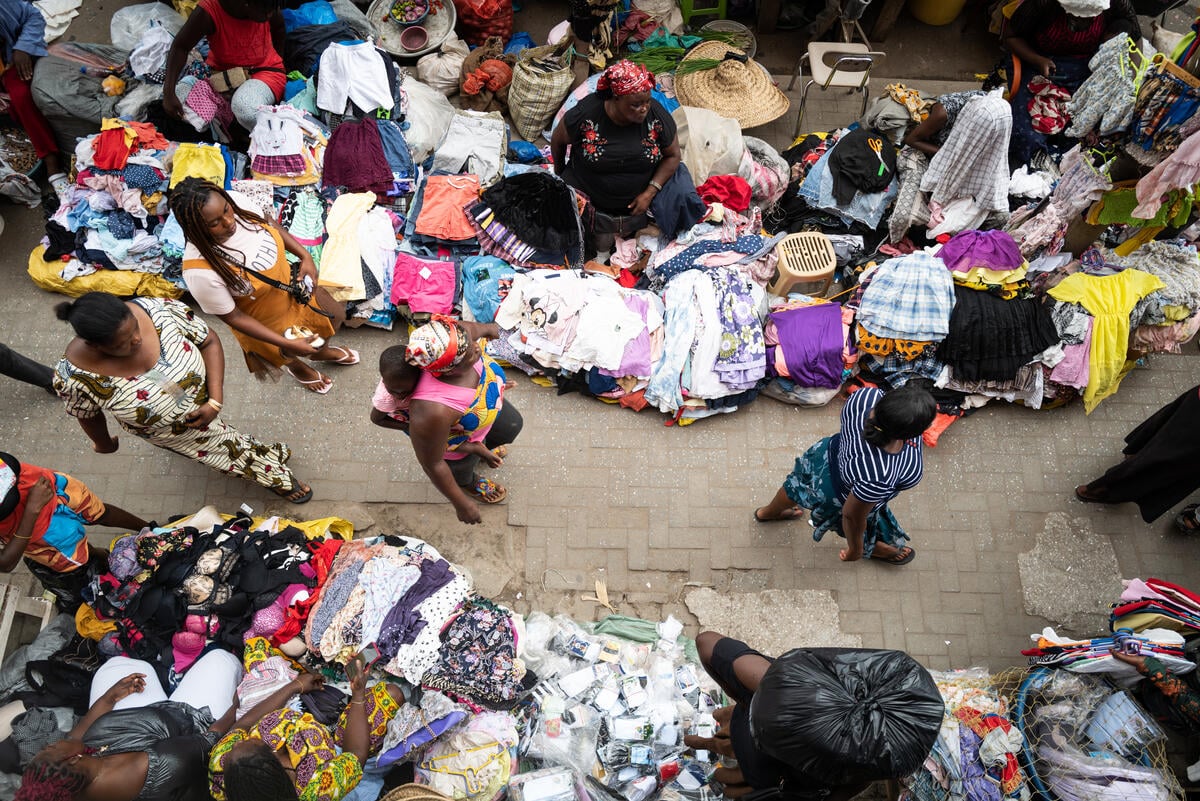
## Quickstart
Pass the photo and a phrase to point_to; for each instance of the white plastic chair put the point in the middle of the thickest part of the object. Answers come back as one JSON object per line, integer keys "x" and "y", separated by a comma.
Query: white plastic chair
{"x": 842, "y": 65}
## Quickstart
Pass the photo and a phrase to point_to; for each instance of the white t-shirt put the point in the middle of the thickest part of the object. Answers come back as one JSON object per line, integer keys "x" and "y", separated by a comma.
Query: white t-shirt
{"x": 250, "y": 245}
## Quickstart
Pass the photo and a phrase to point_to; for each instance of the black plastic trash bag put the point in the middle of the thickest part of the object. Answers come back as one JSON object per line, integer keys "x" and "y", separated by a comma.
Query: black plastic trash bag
{"x": 839, "y": 716}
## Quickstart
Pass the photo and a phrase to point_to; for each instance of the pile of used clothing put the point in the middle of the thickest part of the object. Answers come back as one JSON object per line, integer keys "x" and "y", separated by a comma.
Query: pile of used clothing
{"x": 112, "y": 219}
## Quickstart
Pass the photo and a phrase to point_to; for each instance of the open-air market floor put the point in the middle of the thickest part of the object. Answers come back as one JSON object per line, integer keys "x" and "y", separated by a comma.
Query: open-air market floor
{"x": 662, "y": 515}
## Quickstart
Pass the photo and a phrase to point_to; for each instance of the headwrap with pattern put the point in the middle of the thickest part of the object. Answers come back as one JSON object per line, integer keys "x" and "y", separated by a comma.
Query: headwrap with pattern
{"x": 626, "y": 78}
{"x": 438, "y": 346}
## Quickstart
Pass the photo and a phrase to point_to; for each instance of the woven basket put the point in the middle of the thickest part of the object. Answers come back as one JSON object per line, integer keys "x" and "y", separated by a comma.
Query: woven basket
{"x": 414, "y": 792}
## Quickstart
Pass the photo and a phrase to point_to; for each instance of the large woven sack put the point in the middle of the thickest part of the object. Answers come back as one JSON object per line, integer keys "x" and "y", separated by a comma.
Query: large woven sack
{"x": 441, "y": 70}
{"x": 535, "y": 96}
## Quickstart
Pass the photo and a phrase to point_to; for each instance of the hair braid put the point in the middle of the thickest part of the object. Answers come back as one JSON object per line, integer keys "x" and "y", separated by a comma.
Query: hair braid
{"x": 44, "y": 780}
{"x": 187, "y": 202}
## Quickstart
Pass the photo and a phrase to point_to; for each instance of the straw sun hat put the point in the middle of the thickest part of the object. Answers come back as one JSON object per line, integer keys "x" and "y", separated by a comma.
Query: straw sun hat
{"x": 736, "y": 88}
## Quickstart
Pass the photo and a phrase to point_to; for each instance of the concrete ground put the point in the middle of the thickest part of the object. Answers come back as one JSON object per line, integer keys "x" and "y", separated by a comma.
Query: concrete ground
{"x": 662, "y": 515}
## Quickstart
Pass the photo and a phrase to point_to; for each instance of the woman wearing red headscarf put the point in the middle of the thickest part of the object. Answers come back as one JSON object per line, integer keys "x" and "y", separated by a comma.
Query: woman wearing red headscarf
{"x": 623, "y": 149}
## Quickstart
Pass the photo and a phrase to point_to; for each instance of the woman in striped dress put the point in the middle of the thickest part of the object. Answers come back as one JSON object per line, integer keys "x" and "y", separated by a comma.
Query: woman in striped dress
{"x": 159, "y": 370}
{"x": 847, "y": 480}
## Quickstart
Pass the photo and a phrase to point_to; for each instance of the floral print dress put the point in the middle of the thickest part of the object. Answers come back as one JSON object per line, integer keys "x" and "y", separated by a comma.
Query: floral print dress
{"x": 155, "y": 404}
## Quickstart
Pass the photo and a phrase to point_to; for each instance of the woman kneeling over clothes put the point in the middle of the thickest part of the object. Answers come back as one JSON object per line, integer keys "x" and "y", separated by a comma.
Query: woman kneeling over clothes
{"x": 235, "y": 265}
{"x": 135, "y": 742}
{"x": 623, "y": 149}
{"x": 275, "y": 752}
{"x": 847, "y": 480}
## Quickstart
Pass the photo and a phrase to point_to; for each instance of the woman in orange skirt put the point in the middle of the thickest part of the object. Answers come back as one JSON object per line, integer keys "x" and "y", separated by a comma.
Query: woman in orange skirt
{"x": 235, "y": 265}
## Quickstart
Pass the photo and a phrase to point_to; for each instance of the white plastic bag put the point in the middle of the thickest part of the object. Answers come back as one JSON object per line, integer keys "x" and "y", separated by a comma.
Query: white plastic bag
{"x": 130, "y": 24}
{"x": 442, "y": 70}
{"x": 151, "y": 53}
{"x": 429, "y": 115}
{"x": 711, "y": 144}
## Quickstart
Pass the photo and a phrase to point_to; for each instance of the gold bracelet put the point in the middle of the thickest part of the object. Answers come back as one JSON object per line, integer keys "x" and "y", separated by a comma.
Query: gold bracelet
{"x": 19, "y": 537}
{"x": 216, "y": 404}
{"x": 359, "y": 702}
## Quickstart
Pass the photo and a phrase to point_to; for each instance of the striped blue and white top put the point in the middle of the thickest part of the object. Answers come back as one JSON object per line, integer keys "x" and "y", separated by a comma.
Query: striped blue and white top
{"x": 872, "y": 474}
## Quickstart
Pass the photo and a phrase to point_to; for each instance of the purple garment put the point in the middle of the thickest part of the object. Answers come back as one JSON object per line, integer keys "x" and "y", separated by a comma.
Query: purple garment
{"x": 636, "y": 359}
{"x": 354, "y": 158}
{"x": 403, "y": 623}
{"x": 742, "y": 358}
{"x": 978, "y": 785}
{"x": 993, "y": 250}
{"x": 811, "y": 338}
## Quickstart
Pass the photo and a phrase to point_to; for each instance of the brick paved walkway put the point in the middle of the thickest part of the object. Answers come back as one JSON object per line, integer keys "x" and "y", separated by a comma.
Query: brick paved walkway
{"x": 599, "y": 492}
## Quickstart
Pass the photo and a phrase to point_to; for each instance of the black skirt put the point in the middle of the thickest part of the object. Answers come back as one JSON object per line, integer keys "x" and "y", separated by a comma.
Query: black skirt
{"x": 991, "y": 338}
{"x": 1164, "y": 451}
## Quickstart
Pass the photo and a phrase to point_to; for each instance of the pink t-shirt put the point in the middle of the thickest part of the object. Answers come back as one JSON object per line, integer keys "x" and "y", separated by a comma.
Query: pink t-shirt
{"x": 389, "y": 404}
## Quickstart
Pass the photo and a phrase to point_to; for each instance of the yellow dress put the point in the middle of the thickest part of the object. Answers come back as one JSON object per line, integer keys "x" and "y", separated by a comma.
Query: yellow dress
{"x": 1109, "y": 299}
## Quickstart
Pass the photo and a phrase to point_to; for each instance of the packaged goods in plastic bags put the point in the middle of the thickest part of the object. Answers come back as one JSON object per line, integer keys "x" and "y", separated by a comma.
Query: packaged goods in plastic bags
{"x": 315, "y": 12}
{"x": 130, "y": 23}
{"x": 442, "y": 70}
{"x": 843, "y": 716}
{"x": 429, "y": 115}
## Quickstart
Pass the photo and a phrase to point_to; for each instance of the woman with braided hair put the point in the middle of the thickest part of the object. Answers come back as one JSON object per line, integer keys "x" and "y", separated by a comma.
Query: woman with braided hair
{"x": 135, "y": 744}
{"x": 236, "y": 266}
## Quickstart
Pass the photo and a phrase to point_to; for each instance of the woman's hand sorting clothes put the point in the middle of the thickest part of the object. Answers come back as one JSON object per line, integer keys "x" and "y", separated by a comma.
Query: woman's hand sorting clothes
{"x": 172, "y": 105}
{"x": 310, "y": 681}
{"x": 131, "y": 684}
{"x": 1137, "y": 660}
{"x": 1044, "y": 66}
{"x": 40, "y": 494}
{"x": 201, "y": 416}
{"x": 641, "y": 203}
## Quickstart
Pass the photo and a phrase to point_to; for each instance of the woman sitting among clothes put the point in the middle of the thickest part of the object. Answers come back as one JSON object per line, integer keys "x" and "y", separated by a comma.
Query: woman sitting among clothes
{"x": 1053, "y": 40}
{"x": 42, "y": 518}
{"x": 623, "y": 150}
{"x": 275, "y": 751}
{"x": 245, "y": 39}
{"x": 135, "y": 742}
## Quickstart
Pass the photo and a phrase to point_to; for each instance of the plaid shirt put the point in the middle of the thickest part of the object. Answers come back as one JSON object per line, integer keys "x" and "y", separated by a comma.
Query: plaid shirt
{"x": 910, "y": 297}
{"x": 974, "y": 161}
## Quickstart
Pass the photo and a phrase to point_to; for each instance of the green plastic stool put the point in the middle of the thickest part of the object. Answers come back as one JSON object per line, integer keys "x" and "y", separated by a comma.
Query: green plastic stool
{"x": 688, "y": 9}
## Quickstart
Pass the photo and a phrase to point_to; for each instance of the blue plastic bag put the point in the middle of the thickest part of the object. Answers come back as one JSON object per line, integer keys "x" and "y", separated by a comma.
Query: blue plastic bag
{"x": 519, "y": 41}
{"x": 317, "y": 12}
{"x": 523, "y": 152}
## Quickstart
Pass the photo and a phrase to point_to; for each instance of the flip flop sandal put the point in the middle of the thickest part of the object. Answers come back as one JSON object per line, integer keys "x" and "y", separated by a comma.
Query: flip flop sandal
{"x": 903, "y": 560}
{"x": 290, "y": 495}
{"x": 501, "y": 451}
{"x": 484, "y": 487}
{"x": 351, "y": 356}
{"x": 797, "y": 514}
{"x": 1186, "y": 521}
{"x": 320, "y": 386}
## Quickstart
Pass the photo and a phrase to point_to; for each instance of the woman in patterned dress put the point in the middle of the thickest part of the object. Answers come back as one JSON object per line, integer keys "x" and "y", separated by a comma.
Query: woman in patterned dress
{"x": 159, "y": 370}
{"x": 274, "y": 751}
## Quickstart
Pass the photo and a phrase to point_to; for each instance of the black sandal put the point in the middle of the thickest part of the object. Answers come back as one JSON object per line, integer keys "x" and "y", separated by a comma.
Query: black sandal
{"x": 299, "y": 493}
